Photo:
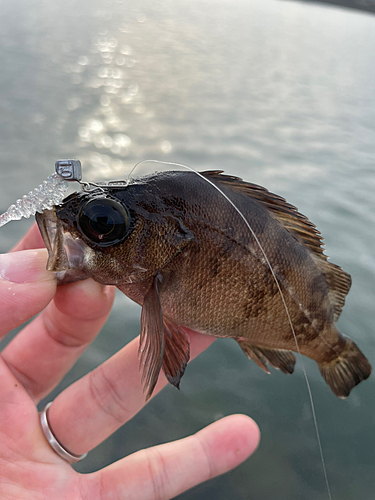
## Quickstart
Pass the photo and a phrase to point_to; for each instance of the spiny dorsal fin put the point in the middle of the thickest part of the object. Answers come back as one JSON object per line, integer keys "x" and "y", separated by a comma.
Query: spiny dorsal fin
{"x": 299, "y": 226}
{"x": 288, "y": 216}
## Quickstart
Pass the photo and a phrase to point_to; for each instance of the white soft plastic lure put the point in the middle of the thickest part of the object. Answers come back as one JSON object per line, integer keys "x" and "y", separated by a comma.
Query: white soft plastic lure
{"x": 50, "y": 192}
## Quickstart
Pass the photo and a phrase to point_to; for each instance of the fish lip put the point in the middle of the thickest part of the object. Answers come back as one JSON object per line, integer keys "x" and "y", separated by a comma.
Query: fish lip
{"x": 65, "y": 253}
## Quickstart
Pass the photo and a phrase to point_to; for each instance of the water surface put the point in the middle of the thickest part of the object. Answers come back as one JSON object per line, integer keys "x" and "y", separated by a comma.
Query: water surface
{"x": 282, "y": 94}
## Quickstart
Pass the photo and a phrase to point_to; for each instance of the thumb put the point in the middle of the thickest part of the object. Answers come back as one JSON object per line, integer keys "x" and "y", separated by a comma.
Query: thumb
{"x": 26, "y": 287}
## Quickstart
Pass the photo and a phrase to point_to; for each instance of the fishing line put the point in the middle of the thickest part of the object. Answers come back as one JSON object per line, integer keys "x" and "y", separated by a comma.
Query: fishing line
{"x": 312, "y": 405}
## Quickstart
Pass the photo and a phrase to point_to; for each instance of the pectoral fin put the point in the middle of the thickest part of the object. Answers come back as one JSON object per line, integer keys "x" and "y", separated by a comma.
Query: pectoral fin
{"x": 280, "y": 359}
{"x": 177, "y": 352}
{"x": 152, "y": 341}
{"x": 162, "y": 344}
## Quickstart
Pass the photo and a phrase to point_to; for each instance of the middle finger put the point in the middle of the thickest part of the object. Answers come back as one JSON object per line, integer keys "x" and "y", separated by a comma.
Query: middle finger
{"x": 94, "y": 407}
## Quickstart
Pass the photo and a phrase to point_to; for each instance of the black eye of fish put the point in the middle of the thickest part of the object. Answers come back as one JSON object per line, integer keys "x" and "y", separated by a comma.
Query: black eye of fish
{"x": 103, "y": 221}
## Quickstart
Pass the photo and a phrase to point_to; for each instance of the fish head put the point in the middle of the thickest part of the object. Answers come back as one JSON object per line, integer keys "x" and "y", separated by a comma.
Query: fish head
{"x": 115, "y": 236}
{"x": 68, "y": 254}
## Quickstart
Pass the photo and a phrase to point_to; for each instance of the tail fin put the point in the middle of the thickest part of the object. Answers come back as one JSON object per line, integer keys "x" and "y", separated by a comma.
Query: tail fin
{"x": 346, "y": 371}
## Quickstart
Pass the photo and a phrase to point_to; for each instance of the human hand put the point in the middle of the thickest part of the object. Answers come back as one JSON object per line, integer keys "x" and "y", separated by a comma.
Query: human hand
{"x": 91, "y": 409}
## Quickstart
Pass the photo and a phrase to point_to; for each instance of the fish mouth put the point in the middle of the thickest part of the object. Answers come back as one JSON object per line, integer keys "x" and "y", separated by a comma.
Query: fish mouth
{"x": 66, "y": 254}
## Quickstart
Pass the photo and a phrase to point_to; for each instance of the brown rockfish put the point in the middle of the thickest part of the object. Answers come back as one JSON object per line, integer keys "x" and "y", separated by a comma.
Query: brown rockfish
{"x": 176, "y": 246}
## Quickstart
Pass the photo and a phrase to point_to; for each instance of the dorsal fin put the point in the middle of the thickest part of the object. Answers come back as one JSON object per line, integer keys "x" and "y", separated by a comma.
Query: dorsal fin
{"x": 339, "y": 283}
{"x": 299, "y": 226}
{"x": 288, "y": 216}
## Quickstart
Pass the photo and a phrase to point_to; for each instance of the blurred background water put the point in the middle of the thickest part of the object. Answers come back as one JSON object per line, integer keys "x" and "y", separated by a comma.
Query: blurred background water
{"x": 280, "y": 93}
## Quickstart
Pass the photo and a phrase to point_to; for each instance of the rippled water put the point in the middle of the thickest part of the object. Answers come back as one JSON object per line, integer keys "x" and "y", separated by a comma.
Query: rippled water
{"x": 280, "y": 93}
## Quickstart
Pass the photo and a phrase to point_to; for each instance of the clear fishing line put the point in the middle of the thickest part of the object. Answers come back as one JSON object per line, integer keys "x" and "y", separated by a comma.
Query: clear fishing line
{"x": 312, "y": 405}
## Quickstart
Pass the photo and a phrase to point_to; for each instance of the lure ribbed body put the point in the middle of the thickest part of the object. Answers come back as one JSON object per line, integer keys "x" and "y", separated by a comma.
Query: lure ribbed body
{"x": 45, "y": 196}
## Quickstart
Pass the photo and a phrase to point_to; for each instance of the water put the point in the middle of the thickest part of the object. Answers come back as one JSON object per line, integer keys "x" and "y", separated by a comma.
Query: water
{"x": 280, "y": 93}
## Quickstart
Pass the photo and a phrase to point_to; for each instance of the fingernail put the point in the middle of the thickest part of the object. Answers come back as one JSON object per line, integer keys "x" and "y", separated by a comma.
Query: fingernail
{"x": 25, "y": 267}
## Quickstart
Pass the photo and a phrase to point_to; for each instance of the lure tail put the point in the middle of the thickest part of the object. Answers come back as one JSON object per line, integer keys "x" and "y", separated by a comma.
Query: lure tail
{"x": 346, "y": 371}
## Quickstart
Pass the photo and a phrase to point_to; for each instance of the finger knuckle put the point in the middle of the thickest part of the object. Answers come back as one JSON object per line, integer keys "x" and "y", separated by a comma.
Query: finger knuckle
{"x": 158, "y": 474}
{"x": 210, "y": 471}
{"x": 62, "y": 334}
{"x": 105, "y": 394}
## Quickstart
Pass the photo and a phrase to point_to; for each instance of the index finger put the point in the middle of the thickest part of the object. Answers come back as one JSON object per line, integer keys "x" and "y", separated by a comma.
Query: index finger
{"x": 31, "y": 240}
{"x": 26, "y": 287}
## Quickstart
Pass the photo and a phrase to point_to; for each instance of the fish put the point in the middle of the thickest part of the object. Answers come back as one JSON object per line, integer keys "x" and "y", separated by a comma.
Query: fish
{"x": 174, "y": 242}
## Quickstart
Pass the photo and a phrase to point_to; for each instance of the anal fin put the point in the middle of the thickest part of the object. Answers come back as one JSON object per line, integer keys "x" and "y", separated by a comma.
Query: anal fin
{"x": 281, "y": 359}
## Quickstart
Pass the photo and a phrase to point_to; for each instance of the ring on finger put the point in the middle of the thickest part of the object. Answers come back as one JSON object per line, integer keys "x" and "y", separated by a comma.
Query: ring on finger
{"x": 53, "y": 442}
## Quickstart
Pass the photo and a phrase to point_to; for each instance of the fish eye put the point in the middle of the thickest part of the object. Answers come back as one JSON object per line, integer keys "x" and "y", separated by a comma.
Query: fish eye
{"x": 103, "y": 221}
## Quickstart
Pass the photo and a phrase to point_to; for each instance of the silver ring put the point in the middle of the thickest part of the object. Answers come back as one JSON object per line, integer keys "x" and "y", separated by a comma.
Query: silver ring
{"x": 53, "y": 442}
